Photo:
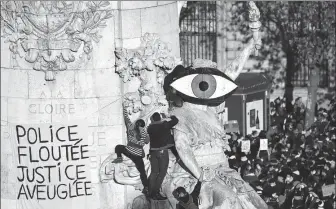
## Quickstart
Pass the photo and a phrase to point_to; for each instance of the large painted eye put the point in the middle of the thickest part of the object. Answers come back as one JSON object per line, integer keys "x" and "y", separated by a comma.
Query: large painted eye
{"x": 204, "y": 86}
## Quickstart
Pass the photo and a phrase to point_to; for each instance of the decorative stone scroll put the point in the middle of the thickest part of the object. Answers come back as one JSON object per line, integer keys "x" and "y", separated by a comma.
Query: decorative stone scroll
{"x": 149, "y": 63}
{"x": 49, "y": 34}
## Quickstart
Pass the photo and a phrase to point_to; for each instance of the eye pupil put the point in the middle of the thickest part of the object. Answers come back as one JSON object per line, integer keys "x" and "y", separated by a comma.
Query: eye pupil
{"x": 203, "y": 85}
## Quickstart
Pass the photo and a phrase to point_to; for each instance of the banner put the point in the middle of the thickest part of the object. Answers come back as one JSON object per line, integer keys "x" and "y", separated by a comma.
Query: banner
{"x": 231, "y": 126}
{"x": 51, "y": 165}
{"x": 245, "y": 147}
{"x": 328, "y": 190}
{"x": 250, "y": 178}
{"x": 263, "y": 144}
{"x": 254, "y": 115}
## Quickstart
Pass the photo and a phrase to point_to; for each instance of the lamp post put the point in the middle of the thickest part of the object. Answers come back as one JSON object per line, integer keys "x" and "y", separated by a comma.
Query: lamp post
{"x": 312, "y": 97}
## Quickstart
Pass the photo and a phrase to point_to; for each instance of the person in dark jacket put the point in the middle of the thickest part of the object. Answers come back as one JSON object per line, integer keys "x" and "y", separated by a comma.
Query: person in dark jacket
{"x": 330, "y": 202}
{"x": 161, "y": 139}
{"x": 186, "y": 200}
{"x": 311, "y": 200}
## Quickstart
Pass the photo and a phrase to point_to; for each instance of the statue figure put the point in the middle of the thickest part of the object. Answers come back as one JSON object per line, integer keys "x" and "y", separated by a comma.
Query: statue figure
{"x": 201, "y": 142}
{"x": 199, "y": 136}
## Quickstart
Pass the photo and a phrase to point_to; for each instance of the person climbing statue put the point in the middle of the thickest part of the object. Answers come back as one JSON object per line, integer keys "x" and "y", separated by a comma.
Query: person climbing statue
{"x": 186, "y": 200}
{"x": 161, "y": 140}
{"x": 137, "y": 137}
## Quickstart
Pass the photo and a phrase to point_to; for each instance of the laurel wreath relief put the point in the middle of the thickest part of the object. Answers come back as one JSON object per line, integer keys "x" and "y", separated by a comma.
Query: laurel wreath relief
{"x": 49, "y": 34}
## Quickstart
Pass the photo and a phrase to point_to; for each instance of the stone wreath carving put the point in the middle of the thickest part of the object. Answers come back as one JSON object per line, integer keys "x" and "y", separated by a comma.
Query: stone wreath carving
{"x": 152, "y": 54}
{"x": 49, "y": 34}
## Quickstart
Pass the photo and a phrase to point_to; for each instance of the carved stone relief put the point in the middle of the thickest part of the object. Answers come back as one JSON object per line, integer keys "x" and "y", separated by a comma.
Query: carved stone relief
{"x": 149, "y": 63}
{"x": 50, "y": 34}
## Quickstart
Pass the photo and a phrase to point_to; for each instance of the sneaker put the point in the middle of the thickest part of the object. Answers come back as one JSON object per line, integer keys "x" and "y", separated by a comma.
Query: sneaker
{"x": 117, "y": 160}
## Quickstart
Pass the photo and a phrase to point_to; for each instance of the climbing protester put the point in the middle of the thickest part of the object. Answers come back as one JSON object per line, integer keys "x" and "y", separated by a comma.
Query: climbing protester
{"x": 137, "y": 137}
{"x": 161, "y": 139}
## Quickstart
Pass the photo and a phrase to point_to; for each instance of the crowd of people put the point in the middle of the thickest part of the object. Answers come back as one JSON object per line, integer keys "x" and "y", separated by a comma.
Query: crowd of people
{"x": 295, "y": 171}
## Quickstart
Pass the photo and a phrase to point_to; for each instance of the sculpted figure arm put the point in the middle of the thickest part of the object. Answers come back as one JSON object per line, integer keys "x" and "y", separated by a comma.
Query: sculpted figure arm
{"x": 186, "y": 153}
{"x": 237, "y": 65}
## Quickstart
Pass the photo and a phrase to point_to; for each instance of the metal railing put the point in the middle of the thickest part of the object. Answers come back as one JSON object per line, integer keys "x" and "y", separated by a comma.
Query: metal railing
{"x": 301, "y": 76}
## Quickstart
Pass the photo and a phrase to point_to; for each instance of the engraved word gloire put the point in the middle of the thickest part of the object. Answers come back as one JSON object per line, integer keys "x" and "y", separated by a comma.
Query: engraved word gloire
{"x": 52, "y": 109}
